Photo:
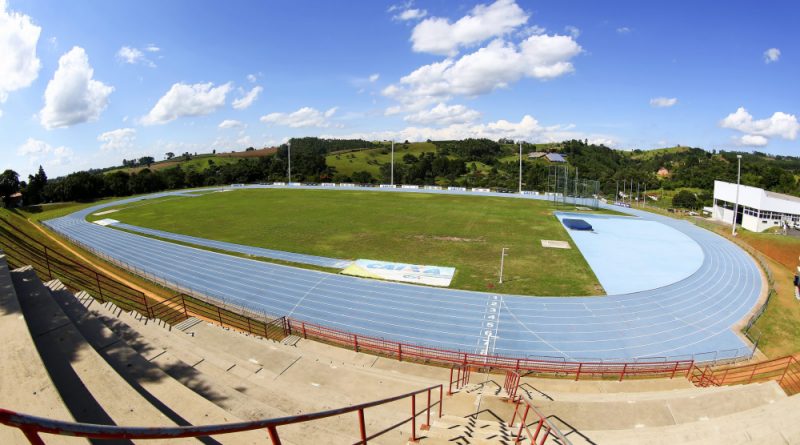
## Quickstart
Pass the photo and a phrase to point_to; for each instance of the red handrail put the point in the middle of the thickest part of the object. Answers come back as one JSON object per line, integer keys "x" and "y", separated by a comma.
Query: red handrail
{"x": 577, "y": 370}
{"x": 544, "y": 427}
{"x": 462, "y": 373}
{"x": 784, "y": 370}
{"x": 511, "y": 384}
{"x": 32, "y": 426}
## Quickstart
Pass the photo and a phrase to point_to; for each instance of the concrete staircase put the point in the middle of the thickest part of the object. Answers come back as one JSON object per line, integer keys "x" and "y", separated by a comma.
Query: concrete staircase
{"x": 74, "y": 358}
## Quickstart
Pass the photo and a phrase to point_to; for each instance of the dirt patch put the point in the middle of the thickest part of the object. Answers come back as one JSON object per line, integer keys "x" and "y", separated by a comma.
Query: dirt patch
{"x": 784, "y": 253}
{"x": 454, "y": 239}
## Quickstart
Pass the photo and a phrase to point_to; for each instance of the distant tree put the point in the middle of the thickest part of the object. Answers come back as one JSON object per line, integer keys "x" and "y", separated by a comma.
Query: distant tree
{"x": 146, "y": 160}
{"x": 684, "y": 199}
{"x": 362, "y": 177}
{"x": 249, "y": 149}
{"x": 34, "y": 192}
{"x": 170, "y": 155}
{"x": 9, "y": 184}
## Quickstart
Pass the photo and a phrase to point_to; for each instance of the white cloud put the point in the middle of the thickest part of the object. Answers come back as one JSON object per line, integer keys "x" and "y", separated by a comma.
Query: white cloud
{"x": 772, "y": 55}
{"x": 495, "y": 66}
{"x": 152, "y": 48}
{"x": 251, "y": 78}
{"x": 573, "y": 31}
{"x": 437, "y": 35}
{"x": 411, "y": 14}
{"x": 374, "y": 77}
{"x": 72, "y": 95}
{"x": 117, "y": 140}
{"x": 41, "y": 152}
{"x": 304, "y": 117}
{"x": 623, "y": 30}
{"x": 528, "y": 128}
{"x": 753, "y": 140}
{"x": 443, "y": 114}
{"x": 663, "y": 102}
{"x": 758, "y": 132}
{"x": 230, "y": 123}
{"x": 247, "y": 99}
{"x": 187, "y": 100}
{"x": 19, "y": 66}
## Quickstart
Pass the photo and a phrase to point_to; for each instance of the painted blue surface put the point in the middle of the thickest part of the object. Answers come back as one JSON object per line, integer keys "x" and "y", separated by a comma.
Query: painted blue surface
{"x": 239, "y": 248}
{"x": 634, "y": 254}
{"x": 690, "y": 317}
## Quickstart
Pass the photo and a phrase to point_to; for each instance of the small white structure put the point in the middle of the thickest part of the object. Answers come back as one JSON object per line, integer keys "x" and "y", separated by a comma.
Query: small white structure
{"x": 758, "y": 209}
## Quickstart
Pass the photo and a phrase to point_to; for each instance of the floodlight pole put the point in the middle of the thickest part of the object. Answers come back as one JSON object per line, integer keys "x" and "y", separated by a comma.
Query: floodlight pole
{"x": 289, "y": 144}
{"x": 616, "y": 197}
{"x": 502, "y": 261}
{"x": 736, "y": 204}
{"x": 392, "y": 174}
{"x": 645, "y": 194}
{"x": 520, "y": 167}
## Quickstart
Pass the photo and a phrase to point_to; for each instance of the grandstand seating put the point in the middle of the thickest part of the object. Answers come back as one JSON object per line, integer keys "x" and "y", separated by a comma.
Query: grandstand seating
{"x": 111, "y": 366}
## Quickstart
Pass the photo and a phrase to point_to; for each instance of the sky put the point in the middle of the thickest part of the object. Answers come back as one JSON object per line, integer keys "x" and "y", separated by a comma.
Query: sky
{"x": 87, "y": 83}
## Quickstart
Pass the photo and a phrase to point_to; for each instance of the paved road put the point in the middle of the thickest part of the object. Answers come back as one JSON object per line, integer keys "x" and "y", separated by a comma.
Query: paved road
{"x": 689, "y": 317}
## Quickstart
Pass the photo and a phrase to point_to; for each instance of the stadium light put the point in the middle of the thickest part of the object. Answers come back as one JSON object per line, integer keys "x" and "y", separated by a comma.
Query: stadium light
{"x": 289, "y": 144}
{"x": 520, "y": 167}
{"x": 736, "y": 203}
{"x": 392, "y": 181}
{"x": 502, "y": 258}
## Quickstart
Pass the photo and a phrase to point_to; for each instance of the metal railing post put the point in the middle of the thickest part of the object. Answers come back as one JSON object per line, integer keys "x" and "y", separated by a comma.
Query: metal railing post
{"x": 428, "y": 413}
{"x": 273, "y": 435}
{"x": 361, "y": 427}
{"x": 399, "y": 352}
{"x": 522, "y": 423}
{"x": 413, "y": 417}
{"x": 47, "y": 260}
{"x": 219, "y": 314}
{"x": 578, "y": 374}
{"x": 622, "y": 374}
{"x": 183, "y": 302}
{"x": 303, "y": 325}
{"x": 674, "y": 370}
{"x": 441, "y": 390}
{"x": 32, "y": 435}
{"x": 450, "y": 385}
{"x": 355, "y": 342}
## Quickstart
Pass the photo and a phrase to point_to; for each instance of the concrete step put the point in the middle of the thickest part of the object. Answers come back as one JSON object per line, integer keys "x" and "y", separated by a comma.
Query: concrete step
{"x": 235, "y": 393}
{"x": 182, "y": 405}
{"x": 645, "y": 395}
{"x": 748, "y": 426}
{"x": 629, "y": 414}
{"x": 93, "y": 391}
{"x": 25, "y": 385}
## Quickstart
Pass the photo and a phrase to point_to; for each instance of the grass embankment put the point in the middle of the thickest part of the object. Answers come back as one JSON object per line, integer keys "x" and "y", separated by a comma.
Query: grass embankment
{"x": 466, "y": 232}
{"x": 370, "y": 160}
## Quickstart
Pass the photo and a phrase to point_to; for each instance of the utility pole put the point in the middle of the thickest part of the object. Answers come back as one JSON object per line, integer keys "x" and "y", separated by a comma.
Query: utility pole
{"x": 616, "y": 197}
{"x": 289, "y": 144}
{"x": 520, "y": 167}
{"x": 638, "y": 202}
{"x": 736, "y": 204}
{"x": 392, "y": 178}
{"x": 502, "y": 261}
{"x": 645, "y": 194}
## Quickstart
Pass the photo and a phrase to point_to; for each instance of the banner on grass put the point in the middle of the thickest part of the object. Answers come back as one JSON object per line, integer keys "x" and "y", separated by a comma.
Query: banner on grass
{"x": 409, "y": 273}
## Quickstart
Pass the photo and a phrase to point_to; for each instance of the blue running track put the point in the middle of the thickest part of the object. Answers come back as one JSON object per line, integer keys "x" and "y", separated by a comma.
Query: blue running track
{"x": 693, "y": 316}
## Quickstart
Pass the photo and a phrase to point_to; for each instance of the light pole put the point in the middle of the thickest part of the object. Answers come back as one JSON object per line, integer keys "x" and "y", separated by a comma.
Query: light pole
{"x": 736, "y": 204}
{"x": 502, "y": 261}
{"x": 520, "y": 167}
{"x": 392, "y": 174}
{"x": 289, "y": 144}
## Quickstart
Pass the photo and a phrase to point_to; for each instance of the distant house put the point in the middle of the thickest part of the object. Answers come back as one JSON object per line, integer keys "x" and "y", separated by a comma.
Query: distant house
{"x": 663, "y": 172}
{"x": 555, "y": 157}
{"x": 536, "y": 155}
{"x": 14, "y": 200}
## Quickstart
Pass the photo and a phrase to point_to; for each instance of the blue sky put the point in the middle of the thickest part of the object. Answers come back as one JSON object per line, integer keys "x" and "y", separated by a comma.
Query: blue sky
{"x": 86, "y": 83}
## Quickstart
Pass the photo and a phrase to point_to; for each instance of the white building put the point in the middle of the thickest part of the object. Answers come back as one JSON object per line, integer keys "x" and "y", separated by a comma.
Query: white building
{"x": 758, "y": 209}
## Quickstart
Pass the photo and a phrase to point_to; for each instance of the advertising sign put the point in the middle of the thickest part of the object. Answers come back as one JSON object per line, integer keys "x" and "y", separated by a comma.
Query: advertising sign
{"x": 409, "y": 273}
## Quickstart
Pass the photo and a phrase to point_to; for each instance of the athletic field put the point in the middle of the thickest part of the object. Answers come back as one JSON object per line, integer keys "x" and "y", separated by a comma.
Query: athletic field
{"x": 465, "y": 232}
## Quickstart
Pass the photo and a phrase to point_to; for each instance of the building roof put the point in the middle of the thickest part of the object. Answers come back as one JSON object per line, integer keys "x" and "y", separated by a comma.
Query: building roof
{"x": 775, "y": 195}
{"x": 555, "y": 157}
{"x": 537, "y": 154}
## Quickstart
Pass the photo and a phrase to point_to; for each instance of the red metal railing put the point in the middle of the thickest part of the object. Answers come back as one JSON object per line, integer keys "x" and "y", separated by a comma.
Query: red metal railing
{"x": 22, "y": 250}
{"x": 784, "y": 370}
{"x": 543, "y": 427}
{"x": 462, "y": 373}
{"x": 404, "y": 351}
{"x": 33, "y": 426}
{"x": 511, "y": 384}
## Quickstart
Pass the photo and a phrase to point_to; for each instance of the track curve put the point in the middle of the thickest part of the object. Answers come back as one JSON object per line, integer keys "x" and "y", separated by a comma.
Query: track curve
{"x": 681, "y": 320}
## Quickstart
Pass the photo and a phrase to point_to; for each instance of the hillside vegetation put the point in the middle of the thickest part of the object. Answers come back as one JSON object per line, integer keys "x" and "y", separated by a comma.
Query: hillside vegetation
{"x": 465, "y": 163}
